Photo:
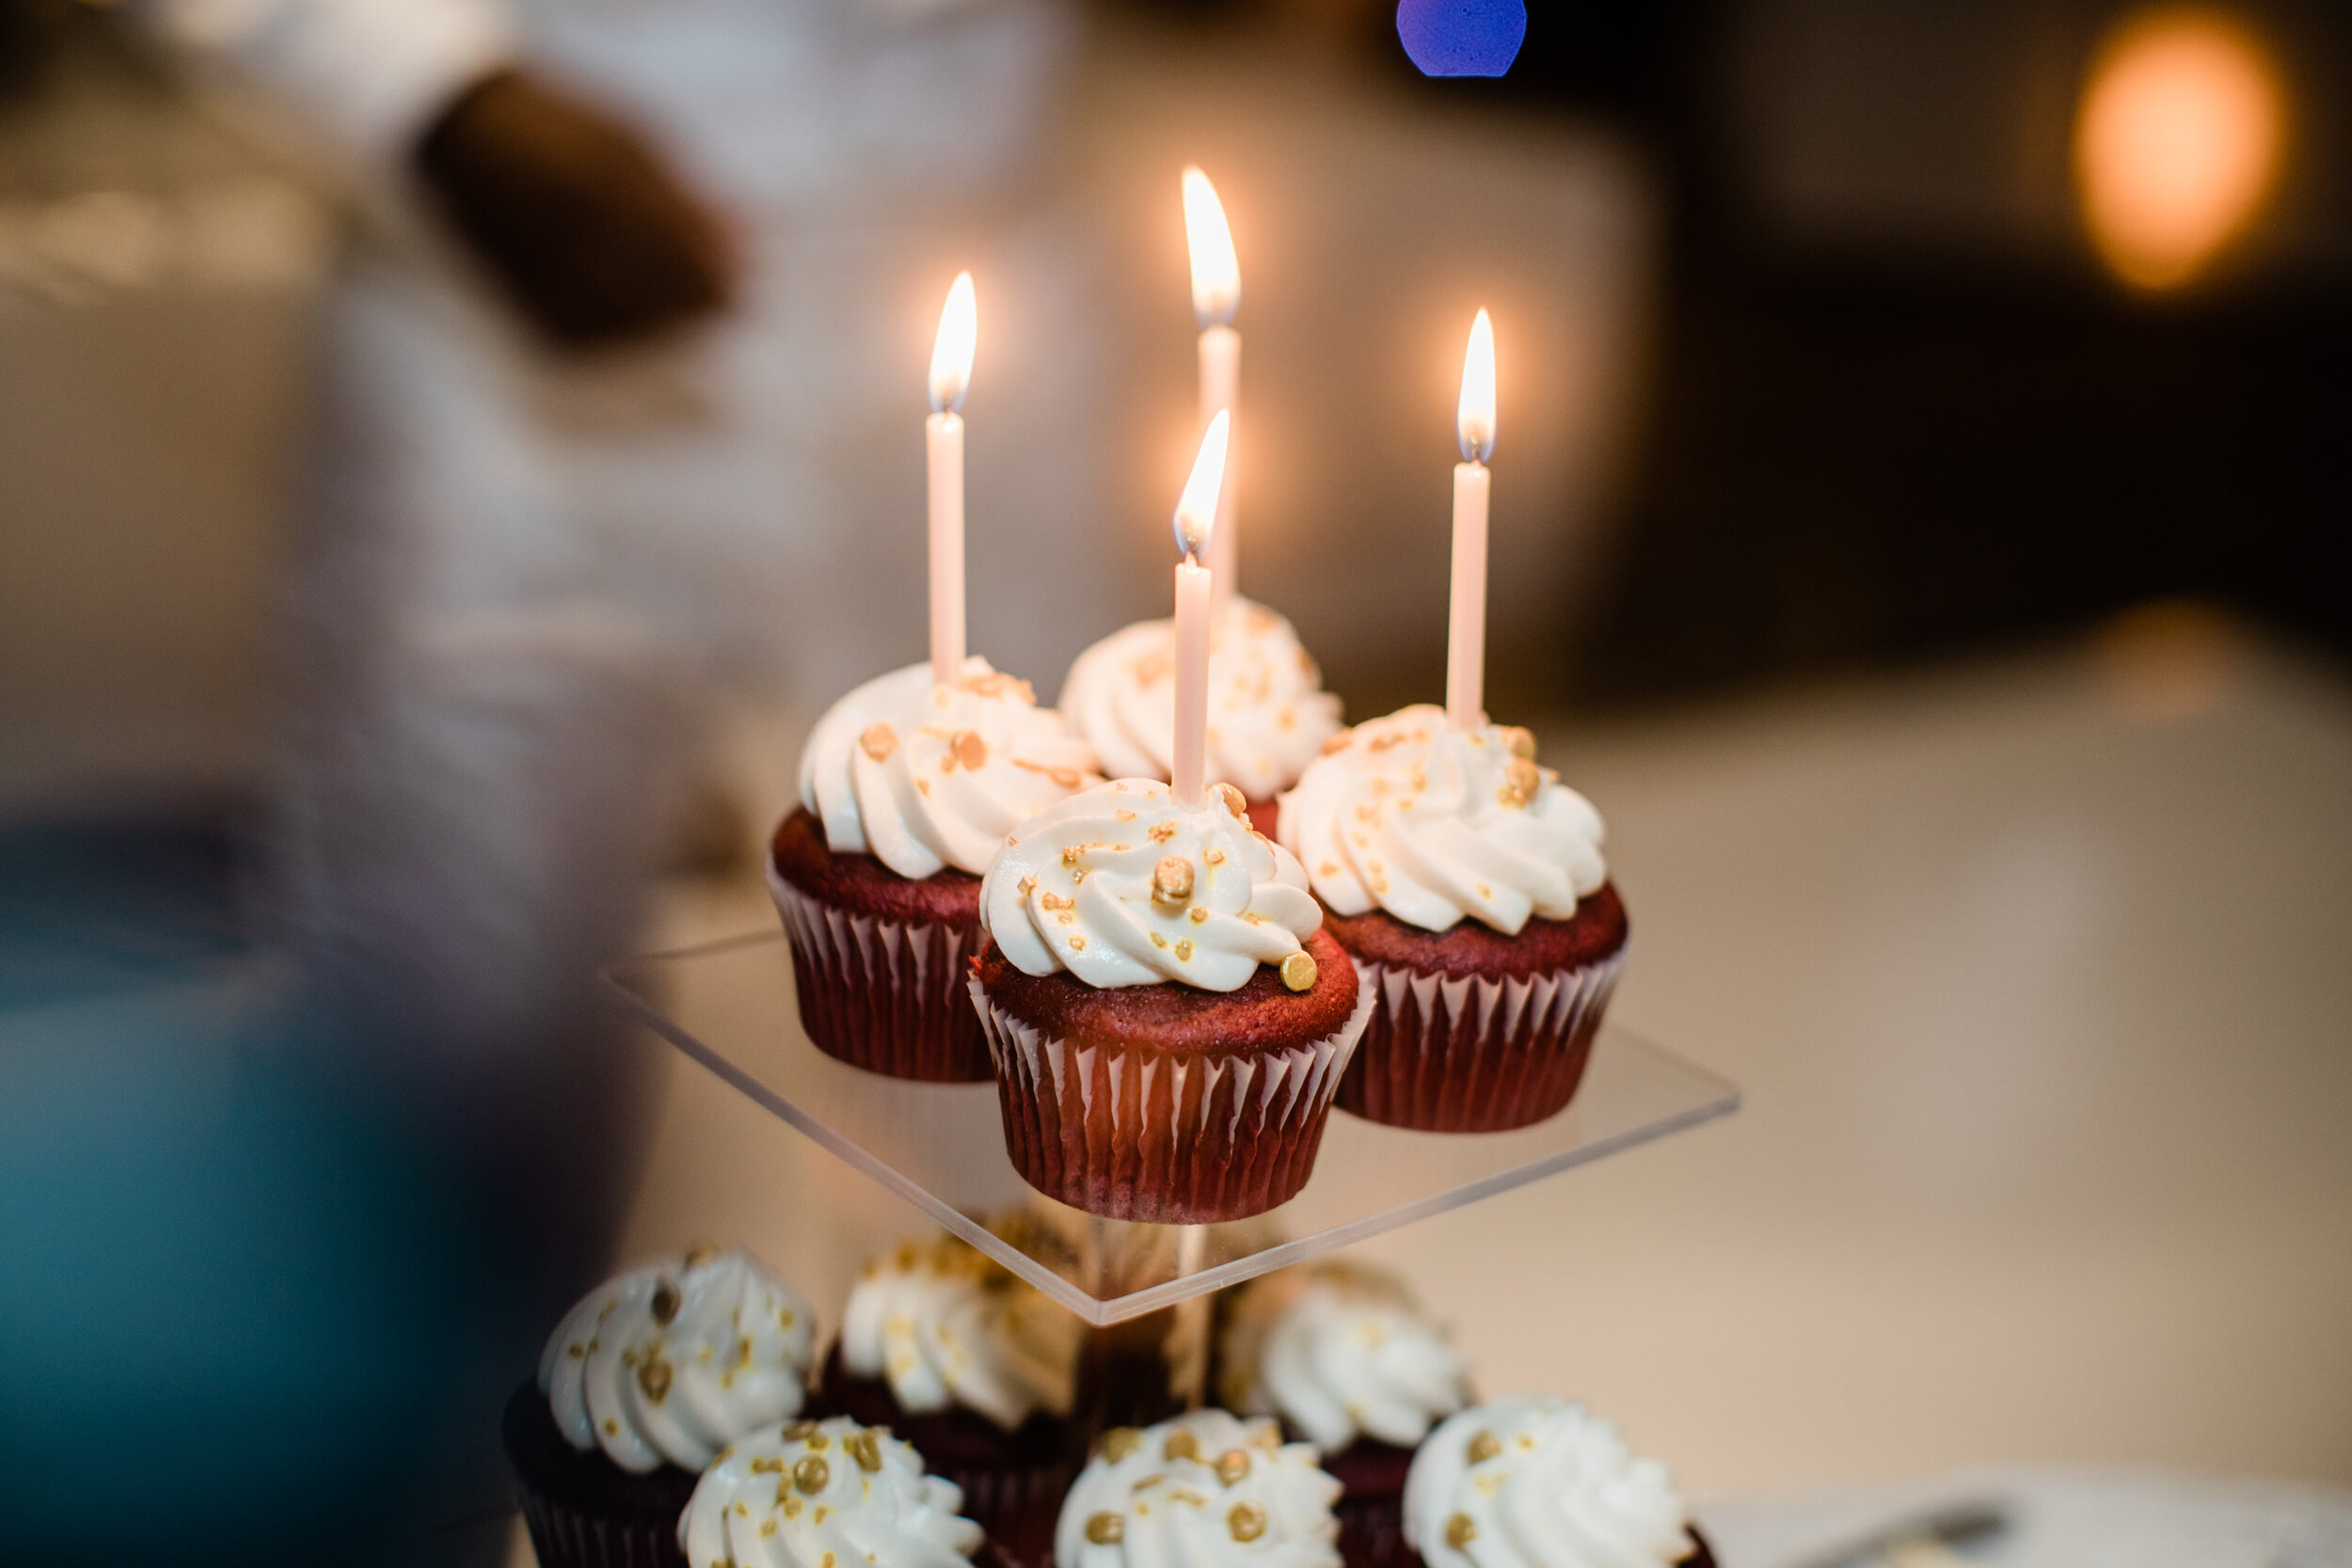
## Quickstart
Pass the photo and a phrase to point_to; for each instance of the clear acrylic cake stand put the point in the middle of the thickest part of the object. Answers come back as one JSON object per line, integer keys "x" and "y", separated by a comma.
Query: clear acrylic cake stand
{"x": 729, "y": 1006}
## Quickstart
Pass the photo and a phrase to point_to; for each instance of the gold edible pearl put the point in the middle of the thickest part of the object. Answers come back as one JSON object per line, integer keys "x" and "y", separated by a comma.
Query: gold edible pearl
{"x": 1171, "y": 882}
{"x": 1181, "y": 1445}
{"x": 1107, "y": 1529}
{"x": 879, "y": 741}
{"x": 664, "y": 1303}
{"x": 1484, "y": 1446}
{"x": 811, "y": 1474}
{"x": 1522, "y": 779}
{"x": 1232, "y": 1466}
{"x": 1235, "y": 801}
{"x": 865, "y": 1447}
{"x": 654, "y": 1378}
{"x": 1298, "y": 971}
{"x": 1520, "y": 742}
{"x": 1460, "y": 1531}
{"x": 1119, "y": 1441}
{"x": 1246, "y": 1521}
{"x": 970, "y": 750}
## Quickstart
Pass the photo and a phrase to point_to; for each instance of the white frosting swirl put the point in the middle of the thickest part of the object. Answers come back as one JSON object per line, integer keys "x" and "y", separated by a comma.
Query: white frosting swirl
{"x": 946, "y": 1326}
{"x": 825, "y": 1495}
{"x": 923, "y": 776}
{"x": 1123, "y": 887}
{"x": 1268, "y": 713}
{"x": 1431, "y": 823}
{"x": 1203, "y": 1491}
{"x": 1339, "y": 1351}
{"x": 675, "y": 1361}
{"x": 1535, "y": 1481}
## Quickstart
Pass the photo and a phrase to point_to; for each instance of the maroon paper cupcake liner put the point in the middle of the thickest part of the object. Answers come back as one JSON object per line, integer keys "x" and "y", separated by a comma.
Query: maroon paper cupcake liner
{"x": 564, "y": 1537}
{"x": 1372, "y": 1531}
{"x": 1476, "y": 1054}
{"x": 1139, "y": 1134}
{"x": 885, "y": 995}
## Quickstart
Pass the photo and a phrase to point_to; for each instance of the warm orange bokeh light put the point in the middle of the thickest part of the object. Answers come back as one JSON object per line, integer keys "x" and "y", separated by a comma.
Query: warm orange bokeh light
{"x": 2177, "y": 142}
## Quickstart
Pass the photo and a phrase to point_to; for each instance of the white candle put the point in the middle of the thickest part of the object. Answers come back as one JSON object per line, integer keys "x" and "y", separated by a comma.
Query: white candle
{"x": 1216, "y": 298}
{"x": 1466, "y": 625}
{"x": 952, "y": 377}
{"x": 1195, "y": 530}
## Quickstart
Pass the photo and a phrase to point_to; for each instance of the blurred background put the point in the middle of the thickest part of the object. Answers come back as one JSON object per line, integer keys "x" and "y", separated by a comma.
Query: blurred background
{"x": 449, "y": 455}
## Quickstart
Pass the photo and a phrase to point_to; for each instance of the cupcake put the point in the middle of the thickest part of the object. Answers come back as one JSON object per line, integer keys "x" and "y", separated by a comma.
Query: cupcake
{"x": 1268, "y": 713}
{"x": 1169, "y": 1022}
{"x": 975, "y": 1368}
{"x": 645, "y": 1380}
{"x": 822, "y": 1494}
{"x": 1467, "y": 883}
{"x": 907, "y": 788}
{"x": 1534, "y": 1481}
{"x": 1202, "y": 1489}
{"x": 1343, "y": 1355}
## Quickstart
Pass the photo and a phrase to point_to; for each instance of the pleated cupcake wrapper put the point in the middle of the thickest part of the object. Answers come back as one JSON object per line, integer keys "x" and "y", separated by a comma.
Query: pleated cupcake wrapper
{"x": 1372, "y": 1531}
{"x": 885, "y": 995}
{"x": 1477, "y": 1053}
{"x": 566, "y": 1538}
{"x": 1138, "y": 1134}
{"x": 1016, "y": 1505}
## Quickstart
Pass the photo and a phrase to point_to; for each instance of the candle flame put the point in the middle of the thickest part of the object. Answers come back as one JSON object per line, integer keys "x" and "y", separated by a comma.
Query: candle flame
{"x": 1215, "y": 270}
{"x": 1474, "y": 416}
{"x": 951, "y": 352}
{"x": 1195, "y": 511}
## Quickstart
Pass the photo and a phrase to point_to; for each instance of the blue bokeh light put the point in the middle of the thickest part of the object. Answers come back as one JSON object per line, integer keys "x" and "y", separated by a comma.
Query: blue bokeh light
{"x": 1462, "y": 38}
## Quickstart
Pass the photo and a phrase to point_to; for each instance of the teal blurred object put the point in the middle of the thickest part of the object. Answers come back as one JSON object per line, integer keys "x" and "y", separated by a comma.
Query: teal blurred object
{"x": 252, "y": 1315}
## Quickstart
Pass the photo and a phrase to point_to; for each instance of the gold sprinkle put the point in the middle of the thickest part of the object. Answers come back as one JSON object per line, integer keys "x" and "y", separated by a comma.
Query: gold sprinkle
{"x": 665, "y": 1303}
{"x": 612, "y": 1427}
{"x": 1028, "y": 885}
{"x": 1521, "y": 780}
{"x": 1337, "y": 743}
{"x": 791, "y": 1505}
{"x": 1077, "y": 944}
{"x": 1246, "y": 1521}
{"x": 1181, "y": 1445}
{"x": 1124, "y": 815}
{"x": 1232, "y": 1466}
{"x": 1073, "y": 854}
{"x": 811, "y": 1474}
{"x": 1119, "y": 1441}
{"x": 1235, "y": 801}
{"x": 1298, "y": 971}
{"x": 1460, "y": 1531}
{"x": 1107, "y": 1529}
{"x": 826, "y": 1561}
{"x": 763, "y": 1465}
{"x": 947, "y": 762}
{"x": 866, "y": 1448}
{"x": 1482, "y": 1447}
{"x": 923, "y": 787}
{"x": 1183, "y": 950}
{"x": 700, "y": 1253}
{"x": 1215, "y": 857}
{"x": 970, "y": 750}
{"x": 1056, "y": 901}
{"x": 818, "y": 1442}
{"x": 878, "y": 742}
{"x": 1484, "y": 892}
{"x": 1200, "y": 914}
{"x": 654, "y": 1378}
{"x": 1158, "y": 940}
{"x": 1160, "y": 832}
{"x": 577, "y": 1351}
{"x": 767, "y": 1527}
{"x": 1171, "y": 882}
{"x": 1326, "y": 869}
{"x": 799, "y": 1431}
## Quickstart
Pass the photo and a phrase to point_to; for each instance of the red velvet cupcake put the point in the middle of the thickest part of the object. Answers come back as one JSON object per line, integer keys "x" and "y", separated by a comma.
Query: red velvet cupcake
{"x": 978, "y": 1370}
{"x": 1268, "y": 713}
{"x": 1467, "y": 883}
{"x": 907, "y": 788}
{"x": 1167, "y": 1021}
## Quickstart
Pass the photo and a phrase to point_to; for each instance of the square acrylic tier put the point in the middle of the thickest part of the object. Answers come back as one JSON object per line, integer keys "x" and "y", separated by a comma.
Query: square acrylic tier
{"x": 730, "y": 1007}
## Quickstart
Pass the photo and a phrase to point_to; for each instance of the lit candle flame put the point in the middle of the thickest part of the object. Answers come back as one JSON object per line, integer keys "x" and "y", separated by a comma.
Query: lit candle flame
{"x": 2177, "y": 142}
{"x": 1215, "y": 270}
{"x": 951, "y": 352}
{"x": 1474, "y": 416}
{"x": 1195, "y": 511}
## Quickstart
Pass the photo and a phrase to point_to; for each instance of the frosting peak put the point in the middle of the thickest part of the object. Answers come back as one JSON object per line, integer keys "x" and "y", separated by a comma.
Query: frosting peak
{"x": 1431, "y": 823}
{"x": 1268, "y": 713}
{"x": 1535, "y": 1481}
{"x": 947, "y": 1325}
{"x": 825, "y": 1495}
{"x": 1339, "y": 1352}
{"x": 1205, "y": 1491}
{"x": 923, "y": 776}
{"x": 1121, "y": 886}
{"x": 675, "y": 1361}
